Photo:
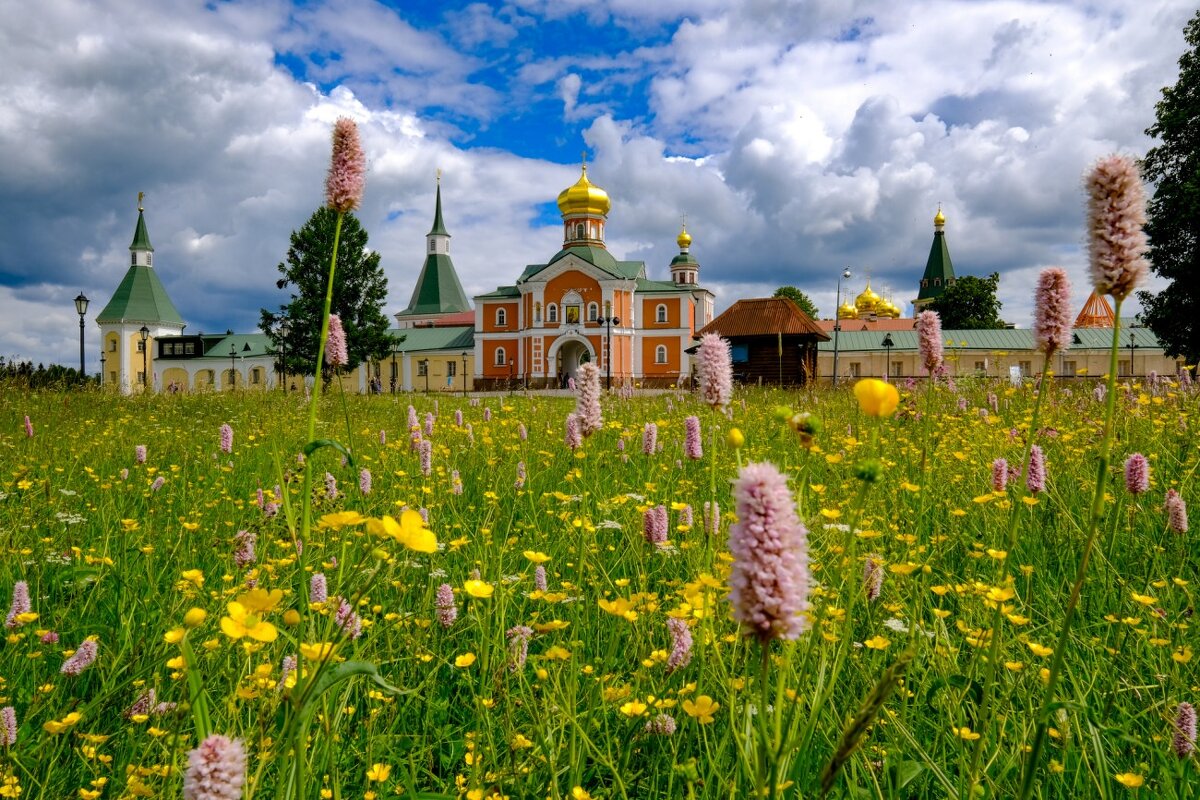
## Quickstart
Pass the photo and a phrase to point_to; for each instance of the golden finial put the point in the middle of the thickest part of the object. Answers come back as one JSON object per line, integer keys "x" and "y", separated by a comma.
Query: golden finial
{"x": 140, "y": 196}
{"x": 583, "y": 156}
{"x": 939, "y": 218}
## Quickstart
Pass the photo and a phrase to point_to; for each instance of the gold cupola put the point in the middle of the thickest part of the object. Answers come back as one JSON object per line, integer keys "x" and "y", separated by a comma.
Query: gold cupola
{"x": 847, "y": 311}
{"x": 939, "y": 219}
{"x": 583, "y": 197}
{"x": 684, "y": 240}
{"x": 868, "y": 301}
{"x": 887, "y": 309}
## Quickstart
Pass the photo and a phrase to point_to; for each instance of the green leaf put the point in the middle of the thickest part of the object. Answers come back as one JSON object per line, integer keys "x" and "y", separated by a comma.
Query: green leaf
{"x": 317, "y": 444}
{"x": 332, "y": 676}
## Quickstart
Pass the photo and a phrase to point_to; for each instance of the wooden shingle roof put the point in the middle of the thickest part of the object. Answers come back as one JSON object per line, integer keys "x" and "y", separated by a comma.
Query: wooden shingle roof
{"x": 764, "y": 316}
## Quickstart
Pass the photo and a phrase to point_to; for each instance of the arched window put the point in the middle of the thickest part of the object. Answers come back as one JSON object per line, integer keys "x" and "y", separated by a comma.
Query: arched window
{"x": 551, "y": 312}
{"x": 593, "y": 312}
{"x": 537, "y": 313}
{"x": 501, "y": 317}
{"x": 501, "y": 357}
{"x": 660, "y": 354}
{"x": 580, "y": 231}
{"x": 660, "y": 313}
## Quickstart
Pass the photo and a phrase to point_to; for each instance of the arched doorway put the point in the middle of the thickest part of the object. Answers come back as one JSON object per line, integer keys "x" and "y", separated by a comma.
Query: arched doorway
{"x": 567, "y": 354}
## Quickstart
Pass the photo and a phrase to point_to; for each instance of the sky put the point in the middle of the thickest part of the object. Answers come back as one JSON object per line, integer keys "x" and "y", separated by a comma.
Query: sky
{"x": 799, "y": 137}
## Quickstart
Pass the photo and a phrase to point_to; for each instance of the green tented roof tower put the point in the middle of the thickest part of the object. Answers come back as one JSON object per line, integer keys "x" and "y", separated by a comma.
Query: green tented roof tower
{"x": 140, "y": 297}
{"x": 939, "y": 270}
{"x": 438, "y": 290}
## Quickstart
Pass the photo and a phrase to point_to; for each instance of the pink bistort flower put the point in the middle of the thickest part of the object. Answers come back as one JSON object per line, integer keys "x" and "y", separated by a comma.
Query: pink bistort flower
{"x": 681, "y": 644}
{"x": 336, "y": 354}
{"x": 587, "y": 400}
{"x": 347, "y": 168}
{"x": 226, "y": 438}
{"x": 20, "y": 604}
{"x": 216, "y": 770}
{"x": 1116, "y": 216}
{"x": 769, "y": 578}
{"x": 714, "y": 370}
{"x": 1183, "y": 742}
{"x": 929, "y": 340}
{"x": 1137, "y": 474}
{"x": 1035, "y": 481}
{"x": 1052, "y": 311}
{"x": 447, "y": 609}
{"x": 1177, "y": 521}
{"x": 81, "y": 659}
{"x": 692, "y": 447}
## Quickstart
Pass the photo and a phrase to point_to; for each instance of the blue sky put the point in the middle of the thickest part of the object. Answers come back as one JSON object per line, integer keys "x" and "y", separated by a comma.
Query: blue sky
{"x": 798, "y": 136}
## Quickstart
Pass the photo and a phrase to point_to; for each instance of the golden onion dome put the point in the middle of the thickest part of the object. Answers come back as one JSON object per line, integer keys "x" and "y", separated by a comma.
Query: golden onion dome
{"x": 868, "y": 301}
{"x": 684, "y": 240}
{"x": 887, "y": 309}
{"x": 940, "y": 218}
{"x": 847, "y": 311}
{"x": 583, "y": 197}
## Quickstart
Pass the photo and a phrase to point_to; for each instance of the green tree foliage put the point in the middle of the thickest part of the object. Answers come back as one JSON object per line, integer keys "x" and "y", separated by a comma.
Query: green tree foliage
{"x": 799, "y": 298}
{"x": 359, "y": 291}
{"x": 1173, "y": 218}
{"x": 970, "y": 304}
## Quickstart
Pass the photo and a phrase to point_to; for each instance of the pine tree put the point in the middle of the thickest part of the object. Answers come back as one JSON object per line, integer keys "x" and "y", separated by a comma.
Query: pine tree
{"x": 1173, "y": 215}
{"x": 359, "y": 291}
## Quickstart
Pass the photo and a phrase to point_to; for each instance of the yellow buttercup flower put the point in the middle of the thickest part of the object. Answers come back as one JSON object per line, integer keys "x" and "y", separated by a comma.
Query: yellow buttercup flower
{"x": 410, "y": 531}
{"x": 260, "y": 600}
{"x": 195, "y": 617}
{"x": 379, "y": 772}
{"x": 317, "y": 651}
{"x": 1130, "y": 780}
{"x": 702, "y": 708}
{"x": 537, "y": 556}
{"x": 735, "y": 438}
{"x": 479, "y": 589}
{"x": 634, "y": 708}
{"x": 876, "y": 398}
{"x": 465, "y": 660}
{"x": 341, "y": 519}
{"x": 242, "y": 622}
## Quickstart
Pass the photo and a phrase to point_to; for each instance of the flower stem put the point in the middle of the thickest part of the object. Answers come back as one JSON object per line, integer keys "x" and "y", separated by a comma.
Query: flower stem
{"x": 1043, "y": 717}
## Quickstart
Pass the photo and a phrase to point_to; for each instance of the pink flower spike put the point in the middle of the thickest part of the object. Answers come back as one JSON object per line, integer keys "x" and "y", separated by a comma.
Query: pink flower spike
{"x": 336, "y": 354}
{"x": 1052, "y": 311}
{"x": 216, "y": 770}
{"x": 347, "y": 168}
{"x": 1116, "y": 217}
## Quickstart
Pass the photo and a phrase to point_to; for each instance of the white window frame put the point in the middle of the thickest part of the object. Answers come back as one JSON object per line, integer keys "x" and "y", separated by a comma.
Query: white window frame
{"x": 660, "y": 354}
{"x": 660, "y": 314}
{"x": 593, "y": 311}
{"x": 501, "y": 357}
{"x": 501, "y": 317}
{"x": 552, "y": 313}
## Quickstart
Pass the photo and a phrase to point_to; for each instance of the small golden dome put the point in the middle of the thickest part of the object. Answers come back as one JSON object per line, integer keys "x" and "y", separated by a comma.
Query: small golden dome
{"x": 847, "y": 311}
{"x": 939, "y": 219}
{"x": 868, "y": 301}
{"x": 685, "y": 239}
{"x": 583, "y": 197}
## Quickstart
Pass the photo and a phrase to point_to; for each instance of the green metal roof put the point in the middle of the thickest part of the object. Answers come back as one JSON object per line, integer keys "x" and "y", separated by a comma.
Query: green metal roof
{"x": 939, "y": 270}
{"x": 596, "y": 256}
{"x": 258, "y": 344}
{"x": 989, "y": 340}
{"x": 438, "y": 290}
{"x": 418, "y": 340}
{"x": 684, "y": 258}
{"x": 140, "y": 297}
{"x": 438, "y": 228}
{"x": 646, "y": 285}
{"x": 141, "y": 238}
{"x": 501, "y": 291}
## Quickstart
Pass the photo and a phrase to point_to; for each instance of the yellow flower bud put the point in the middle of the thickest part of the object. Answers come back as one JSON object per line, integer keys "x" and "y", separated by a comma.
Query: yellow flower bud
{"x": 291, "y": 617}
{"x": 876, "y": 398}
{"x": 195, "y": 617}
{"x": 735, "y": 438}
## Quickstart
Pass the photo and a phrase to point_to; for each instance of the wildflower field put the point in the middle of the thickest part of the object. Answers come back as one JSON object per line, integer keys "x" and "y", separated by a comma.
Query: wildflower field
{"x": 562, "y": 625}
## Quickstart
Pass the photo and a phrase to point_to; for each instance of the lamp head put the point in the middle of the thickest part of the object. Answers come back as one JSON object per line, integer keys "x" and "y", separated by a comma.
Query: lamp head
{"x": 81, "y": 304}
{"x": 846, "y": 272}
{"x": 144, "y": 333}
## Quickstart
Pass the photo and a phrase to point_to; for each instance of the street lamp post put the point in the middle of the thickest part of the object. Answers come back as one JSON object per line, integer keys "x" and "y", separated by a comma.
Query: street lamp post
{"x": 464, "y": 358}
{"x": 284, "y": 330}
{"x": 608, "y": 321}
{"x": 232, "y": 366}
{"x": 102, "y": 360}
{"x": 1132, "y": 345}
{"x": 888, "y": 344}
{"x": 81, "y": 304}
{"x": 144, "y": 333}
{"x": 425, "y": 368}
{"x": 837, "y": 322}
{"x": 395, "y": 350}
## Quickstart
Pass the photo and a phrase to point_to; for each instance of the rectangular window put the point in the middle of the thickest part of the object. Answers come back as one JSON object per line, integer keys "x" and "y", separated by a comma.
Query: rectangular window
{"x": 1070, "y": 368}
{"x": 1123, "y": 368}
{"x": 254, "y": 375}
{"x": 422, "y": 368}
{"x": 980, "y": 366}
{"x": 112, "y": 346}
{"x": 141, "y": 347}
{"x": 1026, "y": 369}
{"x": 112, "y": 377}
{"x": 897, "y": 369}
{"x": 190, "y": 349}
{"x": 141, "y": 378}
{"x": 739, "y": 353}
{"x": 855, "y": 369}
{"x": 451, "y": 369}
